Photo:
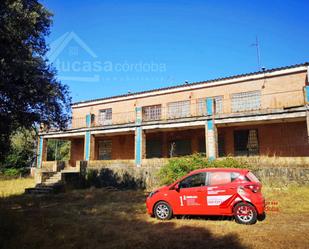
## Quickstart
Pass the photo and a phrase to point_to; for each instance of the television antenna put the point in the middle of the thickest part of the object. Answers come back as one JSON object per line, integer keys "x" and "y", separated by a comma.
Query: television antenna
{"x": 258, "y": 55}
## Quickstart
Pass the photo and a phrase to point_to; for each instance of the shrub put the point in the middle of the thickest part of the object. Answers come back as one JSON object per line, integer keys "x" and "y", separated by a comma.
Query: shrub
{"x": 180, "y": 166}
{"x": 11, "y": 172}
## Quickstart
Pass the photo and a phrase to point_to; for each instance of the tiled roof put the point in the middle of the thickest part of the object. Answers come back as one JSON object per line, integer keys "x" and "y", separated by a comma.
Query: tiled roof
{"x": 196, "y": 83}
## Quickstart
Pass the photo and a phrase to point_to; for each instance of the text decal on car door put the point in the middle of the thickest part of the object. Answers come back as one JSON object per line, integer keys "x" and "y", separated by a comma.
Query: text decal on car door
{"x": 189, "y": 200}
{"x": 216, "y": 200}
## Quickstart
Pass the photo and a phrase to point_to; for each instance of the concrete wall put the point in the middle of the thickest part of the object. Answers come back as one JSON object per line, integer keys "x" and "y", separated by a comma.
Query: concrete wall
{"x": 277, "y": 92}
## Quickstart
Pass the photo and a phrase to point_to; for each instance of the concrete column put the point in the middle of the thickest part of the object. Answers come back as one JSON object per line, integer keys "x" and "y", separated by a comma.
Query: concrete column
{"x": 87, "y": 139}
{"x": 42, "y": 151}
{"x": 140, "y": 138}
{"x": 92, "y": 147}
{"x": 211, "y": 131}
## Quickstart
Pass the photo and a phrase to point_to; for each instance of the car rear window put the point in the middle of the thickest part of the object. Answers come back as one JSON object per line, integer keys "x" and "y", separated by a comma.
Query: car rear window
{"x": 220, "y": 178}
{"x": 252, "y": 177}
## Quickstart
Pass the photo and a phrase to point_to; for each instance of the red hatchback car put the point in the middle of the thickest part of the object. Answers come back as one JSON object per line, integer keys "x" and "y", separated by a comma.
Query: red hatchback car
{"x": 227, "y": 192}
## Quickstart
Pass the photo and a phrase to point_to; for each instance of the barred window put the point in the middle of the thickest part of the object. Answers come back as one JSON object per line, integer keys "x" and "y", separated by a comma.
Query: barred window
{"x": 105, "y": 116}
{"x": 246, "y": 142}
{"x": 105, "y": 150}
{"x": 201, "y": 105}
{"x": 246, "y": 101}
{"x": 152, "y": 112}
{"x": 179, "y": 109}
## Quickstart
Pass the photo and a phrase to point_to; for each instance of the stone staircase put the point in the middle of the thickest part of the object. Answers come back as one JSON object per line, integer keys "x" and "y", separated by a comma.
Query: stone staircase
{"x": 52, "y": 184}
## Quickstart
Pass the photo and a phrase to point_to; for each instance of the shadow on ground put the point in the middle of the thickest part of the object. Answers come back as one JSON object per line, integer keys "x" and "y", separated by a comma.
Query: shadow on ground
{"x": 106, "y": 177}
{"x": 97, "y": 218}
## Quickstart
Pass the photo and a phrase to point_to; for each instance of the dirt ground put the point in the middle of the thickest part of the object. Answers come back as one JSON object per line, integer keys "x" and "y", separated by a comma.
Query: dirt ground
{"x": 109, "y": 218}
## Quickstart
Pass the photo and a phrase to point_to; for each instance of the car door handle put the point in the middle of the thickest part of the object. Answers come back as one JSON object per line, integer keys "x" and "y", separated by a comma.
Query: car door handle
{"x": 232, "y": 187}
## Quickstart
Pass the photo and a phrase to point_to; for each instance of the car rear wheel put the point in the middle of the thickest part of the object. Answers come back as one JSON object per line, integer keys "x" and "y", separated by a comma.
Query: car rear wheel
{"x": 245, "y": 213}
{"x": 163, "y": 211}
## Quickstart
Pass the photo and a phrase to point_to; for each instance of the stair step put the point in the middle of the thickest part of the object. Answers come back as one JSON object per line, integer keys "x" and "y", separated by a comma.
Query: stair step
{"x": 45, "y": 189}
{"x": 50, "y": 182}
{"x": 54, "y": 178}
{"x": 39, "y": 190}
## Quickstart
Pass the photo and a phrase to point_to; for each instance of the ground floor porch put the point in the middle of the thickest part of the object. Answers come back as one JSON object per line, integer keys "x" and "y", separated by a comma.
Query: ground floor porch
{"x": 284, "y": 138}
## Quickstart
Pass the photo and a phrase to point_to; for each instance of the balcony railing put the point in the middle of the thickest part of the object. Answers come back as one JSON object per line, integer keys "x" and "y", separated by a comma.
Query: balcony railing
{"x": 237, "y": 103}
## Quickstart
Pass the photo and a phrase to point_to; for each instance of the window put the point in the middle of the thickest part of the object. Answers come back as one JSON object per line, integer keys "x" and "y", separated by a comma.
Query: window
{"x": 246, "y": 101}
{"x": 105, "y": 150}
{"x": 246, "y": 142}
{"x": 201, "y": 106}
{"x": 152, "y": 112}
{"x": 252, "y": 177}
{"x": 219, "y": 178}
{"x": 153, "y": 148}
{"x": 179, "y": 109}
{"x": 105, "y": 116}
{"x": 192, "y": 181}
{"x": 234, "y": 176}
{"x": 180, "y": 148}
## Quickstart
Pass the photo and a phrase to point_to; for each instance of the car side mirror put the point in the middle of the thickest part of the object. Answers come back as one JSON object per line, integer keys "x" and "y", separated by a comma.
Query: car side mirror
{"x": 177, "y": 187}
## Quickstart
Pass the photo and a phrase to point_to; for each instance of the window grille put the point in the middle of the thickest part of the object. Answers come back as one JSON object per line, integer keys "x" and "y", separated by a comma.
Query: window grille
{"x": 246, "y": 101}
{"x": 179, "y": 109}
{"x": 152, "y": 112}
{"x": 201, "y": 106}
{"x": 105, "y": 116}
{"x": 246, "y": 142}
{"x": 105, "y": 150}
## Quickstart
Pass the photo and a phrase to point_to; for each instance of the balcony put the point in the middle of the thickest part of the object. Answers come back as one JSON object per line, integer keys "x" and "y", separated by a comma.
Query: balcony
{"x": 250, "y": 102}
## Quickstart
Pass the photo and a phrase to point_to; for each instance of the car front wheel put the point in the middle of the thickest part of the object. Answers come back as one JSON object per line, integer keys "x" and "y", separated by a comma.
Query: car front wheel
{"x": 163, "y": 211}
{"x": 245, "y": 213}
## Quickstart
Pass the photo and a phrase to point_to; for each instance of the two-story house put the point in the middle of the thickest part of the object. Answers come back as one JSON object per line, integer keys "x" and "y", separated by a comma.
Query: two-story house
{"x": 260, "y": 113}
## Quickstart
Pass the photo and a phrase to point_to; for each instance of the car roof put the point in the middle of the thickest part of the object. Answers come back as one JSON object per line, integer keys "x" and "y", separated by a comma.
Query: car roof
{"x": 242, "y": 171}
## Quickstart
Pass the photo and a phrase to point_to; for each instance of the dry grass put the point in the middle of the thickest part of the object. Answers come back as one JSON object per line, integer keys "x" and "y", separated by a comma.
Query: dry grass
{"x": 103, "y": 218}
{"x": 15, "y": 186}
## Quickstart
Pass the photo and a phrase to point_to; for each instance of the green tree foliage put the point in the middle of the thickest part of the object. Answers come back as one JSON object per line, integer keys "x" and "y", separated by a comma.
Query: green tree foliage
{"x": 23, "y": 149}
{"x": 29, "y": 92}
{"x": 180, "y": 166}
{"x": 58, "y": 150}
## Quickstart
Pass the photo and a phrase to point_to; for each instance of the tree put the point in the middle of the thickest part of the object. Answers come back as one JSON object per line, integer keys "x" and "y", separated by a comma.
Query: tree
{"x": 22, "y": 153}
{"x": 58, "y": 150}
{"x": 29, "y": 92}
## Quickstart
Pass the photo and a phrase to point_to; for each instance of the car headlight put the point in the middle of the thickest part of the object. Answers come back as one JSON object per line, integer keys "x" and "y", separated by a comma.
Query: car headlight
{"x": 152, "y": 193}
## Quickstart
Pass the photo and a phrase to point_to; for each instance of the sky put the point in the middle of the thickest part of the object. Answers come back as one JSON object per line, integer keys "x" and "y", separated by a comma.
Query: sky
{"x": 105, "y": 48}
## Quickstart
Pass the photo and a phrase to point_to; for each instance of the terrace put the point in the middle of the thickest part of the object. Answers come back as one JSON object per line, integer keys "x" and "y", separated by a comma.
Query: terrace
{"x": 251, "y": 103}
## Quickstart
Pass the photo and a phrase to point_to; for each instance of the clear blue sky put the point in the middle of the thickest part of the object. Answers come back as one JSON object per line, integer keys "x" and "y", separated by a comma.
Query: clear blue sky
{"x": 182, "y": 40}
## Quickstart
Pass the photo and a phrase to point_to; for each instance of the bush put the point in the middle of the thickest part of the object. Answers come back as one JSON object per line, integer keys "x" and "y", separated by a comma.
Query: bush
{"x": 180, "y": 166}
{"x": 14, "y": 173}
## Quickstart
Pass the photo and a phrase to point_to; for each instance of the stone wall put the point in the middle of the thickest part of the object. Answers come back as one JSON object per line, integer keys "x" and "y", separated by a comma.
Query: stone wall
{"x": 125, "y": 175}
{"x": 283, "y": 175}
{"x": 122, "y": 174}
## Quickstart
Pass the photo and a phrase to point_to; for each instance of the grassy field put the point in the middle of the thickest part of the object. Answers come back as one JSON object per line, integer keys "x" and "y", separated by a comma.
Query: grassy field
{"x": 107, "y": 218}
{"x": 15, "y": 186}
